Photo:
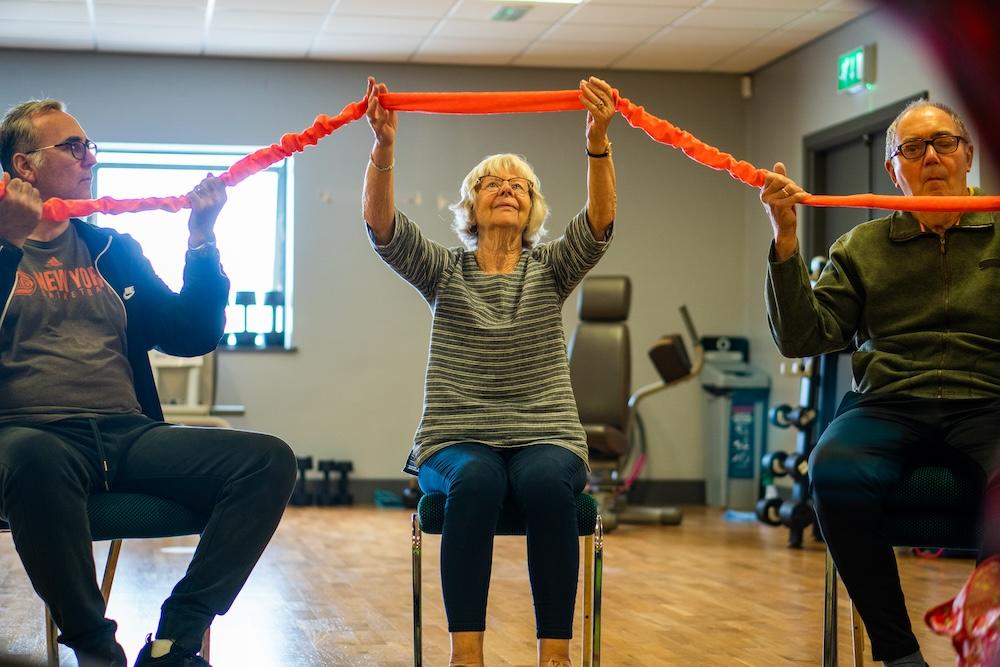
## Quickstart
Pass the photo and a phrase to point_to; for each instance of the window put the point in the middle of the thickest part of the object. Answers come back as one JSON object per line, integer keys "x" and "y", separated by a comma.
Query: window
{"x": 253, "y": 231}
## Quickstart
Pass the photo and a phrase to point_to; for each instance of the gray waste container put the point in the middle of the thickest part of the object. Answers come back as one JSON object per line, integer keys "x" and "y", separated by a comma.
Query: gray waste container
{"x": 735, "y": 423}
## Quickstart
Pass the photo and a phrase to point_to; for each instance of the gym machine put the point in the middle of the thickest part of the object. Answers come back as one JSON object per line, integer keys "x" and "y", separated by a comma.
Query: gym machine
{"x": 673, "y": 364}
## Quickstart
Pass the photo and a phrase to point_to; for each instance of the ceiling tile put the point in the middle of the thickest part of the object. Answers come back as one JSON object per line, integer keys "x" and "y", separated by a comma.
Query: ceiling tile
{"x": 653, "y": 3}
{"x": 549, "y": 53}
{"x": 688, "y": 57}
{"x": 423, "y": 8}
{"x": 763, "y": 51}
{"x": 160, "y": 15}
{"x": 601, "y": 34}
{"x": 803, "y": 5}
{"x": 238, "y": 20}
{"x": 738, "y": 18}
{"x": 358, "y": 47}
{"x": 43, "y": 11}
{"x": 137, "y": 38}
{"x": 859, "y": 6}
{"x": 471, "y": 51}
{"x": 305, "y": 6}
{"x": 689, "y": 48}
{"x": 200, "y": 4}
{"x": 258, "y": 43}
{"x": 625, "y": 14}
{"x": 45, "y": 35}
{"x": 483, "y": 10}
{"x": 378, "y": 25}
{"x": 748, "y": 59}
{"x": 487, "y": 30}
{"x": 821, "y": 21}
{"x": 732, "y": 39}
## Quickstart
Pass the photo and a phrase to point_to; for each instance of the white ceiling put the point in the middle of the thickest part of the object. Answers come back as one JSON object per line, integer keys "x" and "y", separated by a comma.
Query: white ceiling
{"x": 735, "y": 36}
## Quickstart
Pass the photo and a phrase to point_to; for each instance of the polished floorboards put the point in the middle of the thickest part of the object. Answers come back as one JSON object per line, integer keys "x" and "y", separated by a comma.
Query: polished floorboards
{"x": 333, "y": 588}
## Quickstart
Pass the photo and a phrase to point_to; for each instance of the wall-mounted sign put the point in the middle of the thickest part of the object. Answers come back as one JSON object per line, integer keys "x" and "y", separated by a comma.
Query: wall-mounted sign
{"x": 856, "y": 69}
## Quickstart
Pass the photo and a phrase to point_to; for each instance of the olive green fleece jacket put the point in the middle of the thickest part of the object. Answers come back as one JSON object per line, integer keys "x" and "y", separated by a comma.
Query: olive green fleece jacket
{"x": 923, "y": 310}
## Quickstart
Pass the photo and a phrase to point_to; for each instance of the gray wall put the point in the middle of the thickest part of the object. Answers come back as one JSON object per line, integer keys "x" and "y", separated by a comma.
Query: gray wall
{"x": 353, "y": 389}
{"x": 797, "y": 96}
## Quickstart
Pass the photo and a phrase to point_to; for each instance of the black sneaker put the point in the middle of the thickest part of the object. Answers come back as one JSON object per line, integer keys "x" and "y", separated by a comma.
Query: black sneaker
{"x": 177, "y": 657}
{"x": 106, "y": 656}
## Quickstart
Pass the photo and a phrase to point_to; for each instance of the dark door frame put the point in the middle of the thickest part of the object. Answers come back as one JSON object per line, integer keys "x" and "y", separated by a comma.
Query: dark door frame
{"x": 817, "y": 142}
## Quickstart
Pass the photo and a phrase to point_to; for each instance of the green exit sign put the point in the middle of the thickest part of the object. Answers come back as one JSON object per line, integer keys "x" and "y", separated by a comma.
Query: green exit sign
{"x": 856, "y": 69}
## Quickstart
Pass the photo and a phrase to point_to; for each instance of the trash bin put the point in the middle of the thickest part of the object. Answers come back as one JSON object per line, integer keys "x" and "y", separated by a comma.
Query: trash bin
{"x": 735, "y": 423}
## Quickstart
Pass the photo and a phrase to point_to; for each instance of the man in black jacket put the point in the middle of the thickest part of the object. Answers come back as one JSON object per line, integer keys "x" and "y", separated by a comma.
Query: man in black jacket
{"x": 79, "y": 413}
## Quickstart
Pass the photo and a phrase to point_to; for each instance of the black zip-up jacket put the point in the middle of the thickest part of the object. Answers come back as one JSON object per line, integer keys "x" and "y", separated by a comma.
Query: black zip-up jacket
{"x": 187, "y": 324}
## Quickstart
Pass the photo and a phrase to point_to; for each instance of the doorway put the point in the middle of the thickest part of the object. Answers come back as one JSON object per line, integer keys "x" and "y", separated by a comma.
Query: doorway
{"x": 848, "y": 158}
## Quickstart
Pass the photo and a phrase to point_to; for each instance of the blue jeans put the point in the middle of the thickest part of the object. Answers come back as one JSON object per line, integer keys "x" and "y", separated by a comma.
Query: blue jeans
{"x": 477, "y": 479}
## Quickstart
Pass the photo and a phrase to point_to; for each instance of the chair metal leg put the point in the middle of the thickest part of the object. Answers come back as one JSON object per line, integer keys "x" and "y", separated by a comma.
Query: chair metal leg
{"x": 109, "y": 569}
{"x": 417, "y": 618}
{"x": 830, "y": 614}
{"x": 858, "y": 634}
{"x": 51, "y": 640}
{"x": 587, "y": 645}
{"x": 598, "y": 577}
{"x": 206, "y": 644}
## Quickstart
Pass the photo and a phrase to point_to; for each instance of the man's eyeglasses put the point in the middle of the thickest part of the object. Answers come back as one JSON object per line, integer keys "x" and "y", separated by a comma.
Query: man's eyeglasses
{"x": 493, "y": 184}
{"x": 76, "y": 147}
{"x": 915, "y": 148}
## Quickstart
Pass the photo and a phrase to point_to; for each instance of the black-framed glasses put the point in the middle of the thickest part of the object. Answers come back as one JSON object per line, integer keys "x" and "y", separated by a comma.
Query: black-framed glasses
{"x": 915, "y": 148}
{"x": 493, "y": 184}
{"x": 77, "y": 147}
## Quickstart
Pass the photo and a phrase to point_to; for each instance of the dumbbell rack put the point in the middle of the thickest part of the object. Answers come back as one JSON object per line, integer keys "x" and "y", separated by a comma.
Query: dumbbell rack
{"x": 808, "y": 418}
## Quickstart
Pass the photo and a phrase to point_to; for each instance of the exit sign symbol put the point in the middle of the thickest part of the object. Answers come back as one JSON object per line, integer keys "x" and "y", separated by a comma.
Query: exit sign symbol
{"x": 855, "y": 69}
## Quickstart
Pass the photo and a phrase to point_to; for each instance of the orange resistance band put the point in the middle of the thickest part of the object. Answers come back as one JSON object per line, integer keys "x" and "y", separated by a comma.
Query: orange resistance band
{"x": 507, "y": 102}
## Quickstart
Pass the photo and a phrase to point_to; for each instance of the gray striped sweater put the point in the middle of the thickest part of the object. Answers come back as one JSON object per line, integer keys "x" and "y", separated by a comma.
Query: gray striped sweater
{"x": 497, "y": 371}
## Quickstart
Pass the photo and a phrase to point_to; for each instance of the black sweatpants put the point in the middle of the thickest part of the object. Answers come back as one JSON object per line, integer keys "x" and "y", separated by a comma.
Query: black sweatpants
{"x": 241, "y": 480}
{"x": 856, "y": 466}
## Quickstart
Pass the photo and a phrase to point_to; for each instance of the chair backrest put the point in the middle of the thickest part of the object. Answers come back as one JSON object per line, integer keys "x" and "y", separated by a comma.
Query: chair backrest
{"x": 600, "y": 352}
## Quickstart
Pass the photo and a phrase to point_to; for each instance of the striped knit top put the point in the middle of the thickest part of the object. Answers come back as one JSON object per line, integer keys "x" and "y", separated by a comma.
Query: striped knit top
{"x": 497, "y": 371}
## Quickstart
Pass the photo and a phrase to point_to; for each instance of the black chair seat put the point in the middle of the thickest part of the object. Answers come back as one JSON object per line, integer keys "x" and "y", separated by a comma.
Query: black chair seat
{"x": 122, "y": 516}
{"x": 430, "y": 513}
{"x": 936, "y": 507}
{"x": 115, "y": 516}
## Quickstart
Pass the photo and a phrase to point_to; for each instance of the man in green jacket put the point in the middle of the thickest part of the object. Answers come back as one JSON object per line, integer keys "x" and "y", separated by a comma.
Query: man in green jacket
{"x": 919, "y": 294}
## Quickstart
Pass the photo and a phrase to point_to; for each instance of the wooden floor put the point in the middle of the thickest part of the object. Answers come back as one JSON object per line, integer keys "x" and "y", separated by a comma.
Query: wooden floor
{"x": 333, "y": 588}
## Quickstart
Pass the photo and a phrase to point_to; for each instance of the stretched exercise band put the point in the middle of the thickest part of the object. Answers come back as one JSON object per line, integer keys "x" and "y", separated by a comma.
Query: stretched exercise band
{"x": 506, "y": 102}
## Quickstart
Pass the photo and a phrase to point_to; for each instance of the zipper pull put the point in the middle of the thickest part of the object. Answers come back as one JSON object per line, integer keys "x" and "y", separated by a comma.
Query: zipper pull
{"x": 107, "y": 487}
{"x": 942, "y": 245}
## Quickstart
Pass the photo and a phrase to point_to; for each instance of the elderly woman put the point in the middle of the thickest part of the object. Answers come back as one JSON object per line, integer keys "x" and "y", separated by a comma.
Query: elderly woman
{"x": 499, "y": 415}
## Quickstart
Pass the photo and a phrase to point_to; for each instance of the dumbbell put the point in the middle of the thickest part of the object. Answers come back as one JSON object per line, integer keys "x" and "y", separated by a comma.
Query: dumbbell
{"x": 778, "y": 415}
{"x": 343, "y": 497}
{"x": 300, "y": 496}
{"x": 767, "y": 511}
{"x": 325, "y": 495}
{"x": 774, "y": 462}
{"x": 797, "y": 466}
{"x": 796, "y": 514}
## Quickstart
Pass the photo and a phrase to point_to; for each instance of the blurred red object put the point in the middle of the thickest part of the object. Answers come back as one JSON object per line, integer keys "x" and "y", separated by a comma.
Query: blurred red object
{"x": 972, "y": 618}
{"x": 962, "y": 34}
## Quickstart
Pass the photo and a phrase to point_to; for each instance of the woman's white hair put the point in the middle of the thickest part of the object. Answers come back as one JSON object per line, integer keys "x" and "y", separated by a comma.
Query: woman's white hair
{"x": 464, "y": 209}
